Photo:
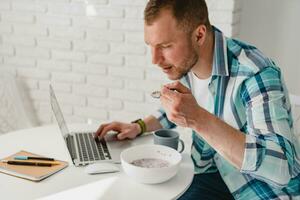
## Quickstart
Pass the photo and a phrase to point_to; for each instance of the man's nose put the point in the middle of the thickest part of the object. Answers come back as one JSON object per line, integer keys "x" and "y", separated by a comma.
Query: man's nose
{"x": 156, "y": 56}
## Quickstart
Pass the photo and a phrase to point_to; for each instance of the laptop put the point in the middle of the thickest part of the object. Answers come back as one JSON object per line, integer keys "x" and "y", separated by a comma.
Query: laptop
{"x": 82, "y": 146}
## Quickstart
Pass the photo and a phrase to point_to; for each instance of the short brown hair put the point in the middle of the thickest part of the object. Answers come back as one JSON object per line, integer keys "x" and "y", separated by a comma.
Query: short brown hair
{"x": 188, "y": 13}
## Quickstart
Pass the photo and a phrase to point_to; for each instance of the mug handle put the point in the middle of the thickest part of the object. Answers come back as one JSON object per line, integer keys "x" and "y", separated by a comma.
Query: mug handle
{"x": 182, "y": 146}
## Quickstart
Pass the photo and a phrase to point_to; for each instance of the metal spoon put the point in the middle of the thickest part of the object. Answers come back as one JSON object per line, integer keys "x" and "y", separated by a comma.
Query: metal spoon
{"x": 156, "y": 94}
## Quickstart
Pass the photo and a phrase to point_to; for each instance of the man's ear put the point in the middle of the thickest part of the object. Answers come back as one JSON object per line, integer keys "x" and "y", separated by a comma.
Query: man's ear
{"x": 200, "y": 34}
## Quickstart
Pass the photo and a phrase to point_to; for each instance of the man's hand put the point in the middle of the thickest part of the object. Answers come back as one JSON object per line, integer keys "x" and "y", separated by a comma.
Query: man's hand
{"x": 179, "y": 103}
{"x": 125, "y": 130}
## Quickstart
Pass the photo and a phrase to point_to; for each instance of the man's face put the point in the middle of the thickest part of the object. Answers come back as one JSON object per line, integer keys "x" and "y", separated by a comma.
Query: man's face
{"x": 172, "y": 49}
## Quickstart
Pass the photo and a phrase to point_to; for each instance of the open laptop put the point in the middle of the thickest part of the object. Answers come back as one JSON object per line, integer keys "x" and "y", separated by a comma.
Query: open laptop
{"x": 82, "y": 146}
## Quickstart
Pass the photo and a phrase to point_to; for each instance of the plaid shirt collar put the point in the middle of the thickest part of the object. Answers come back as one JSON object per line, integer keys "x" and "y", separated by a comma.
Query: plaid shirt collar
{"x": 220, "y": 63}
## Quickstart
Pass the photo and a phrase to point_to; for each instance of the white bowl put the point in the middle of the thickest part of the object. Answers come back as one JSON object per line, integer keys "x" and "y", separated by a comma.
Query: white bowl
{"x": 150, "y": 175}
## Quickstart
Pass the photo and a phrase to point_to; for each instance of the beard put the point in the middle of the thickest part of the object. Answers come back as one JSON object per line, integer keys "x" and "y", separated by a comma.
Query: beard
{"x": 177, "y": 71}
{"x": 185, "y": 67}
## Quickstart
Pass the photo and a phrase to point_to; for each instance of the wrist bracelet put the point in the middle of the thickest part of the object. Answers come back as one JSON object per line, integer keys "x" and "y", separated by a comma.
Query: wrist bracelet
{"x": 142, "y": 124}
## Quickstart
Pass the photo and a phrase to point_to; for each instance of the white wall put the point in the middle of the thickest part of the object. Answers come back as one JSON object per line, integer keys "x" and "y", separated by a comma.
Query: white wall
{"x": 92, "y": 51}
{"x": 273, "y": 26}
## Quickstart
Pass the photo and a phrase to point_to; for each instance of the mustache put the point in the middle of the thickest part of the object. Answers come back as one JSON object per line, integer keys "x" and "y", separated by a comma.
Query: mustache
{"x": 165, "y": 65}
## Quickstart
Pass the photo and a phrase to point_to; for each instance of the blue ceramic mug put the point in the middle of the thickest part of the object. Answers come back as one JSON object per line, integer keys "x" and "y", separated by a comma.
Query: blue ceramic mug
{"x": 168, "y": 138}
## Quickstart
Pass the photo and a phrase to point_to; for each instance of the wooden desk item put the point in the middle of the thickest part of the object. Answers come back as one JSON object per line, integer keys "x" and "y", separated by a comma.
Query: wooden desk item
{"x": 33, "y": 173}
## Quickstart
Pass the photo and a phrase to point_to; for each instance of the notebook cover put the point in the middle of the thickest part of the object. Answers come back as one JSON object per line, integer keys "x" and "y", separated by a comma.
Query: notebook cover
{"x": 34, "y": 173}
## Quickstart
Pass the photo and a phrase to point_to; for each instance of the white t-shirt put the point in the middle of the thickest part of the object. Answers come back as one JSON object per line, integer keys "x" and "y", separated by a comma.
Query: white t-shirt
{"x": 199, "y": 88}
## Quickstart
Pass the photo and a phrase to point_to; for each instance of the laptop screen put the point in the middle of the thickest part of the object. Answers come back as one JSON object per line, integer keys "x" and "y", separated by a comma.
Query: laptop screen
{"x": 58, "y": 114}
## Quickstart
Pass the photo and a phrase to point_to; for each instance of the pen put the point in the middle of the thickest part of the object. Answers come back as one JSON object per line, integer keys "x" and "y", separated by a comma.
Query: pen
{"x": 30, "y": 163}
{"x": 32, "y": 157}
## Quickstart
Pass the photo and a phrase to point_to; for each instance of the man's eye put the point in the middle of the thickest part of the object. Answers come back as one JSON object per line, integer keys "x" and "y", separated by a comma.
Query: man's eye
{"x": 165, "y": 46}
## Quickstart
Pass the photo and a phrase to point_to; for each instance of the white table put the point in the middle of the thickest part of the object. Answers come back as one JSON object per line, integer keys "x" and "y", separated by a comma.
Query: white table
{"x": 72, "y": 182}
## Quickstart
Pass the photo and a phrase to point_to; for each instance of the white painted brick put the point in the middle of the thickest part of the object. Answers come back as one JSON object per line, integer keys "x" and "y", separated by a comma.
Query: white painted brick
{"x": 68, "y": 77}
{"x": 8, "y": 69}
{"x": 66, "y": 32}
{"x": 136, "y": 60}
{"x": 57, "y": 87}
{"x": 91, "y": 46}
{"x": 51, "y": 65}
{"x": 30, "y": 29}
{"x": 17, "y": 17}
{"x": 105, "y": 59}
{"x": 33, "y": 74}
{"x": 145, "y": 85}
{"x": 53, "y": 20}
{"x": 110, "y": 104}
{"x": 124, "y": 116}
{"x": 127, "y": 25}
{"x": 52, "y": 1}
{"x": 90, "y": 22}
{"x": 133, "y": 73}
{"x": 105, "y": 81}
{"x": 70, "y": 99}
{"x": 75, "y": 119}
{"x": 155, "y": 74}
{"x": 88, "y": 68}
{"x": 89, "y": 90}
{"x": 138, "y": 107}
{"x": 54, "y": 43}
{"x": 66, "y": 109}
{"x": 221, "y": 16}
{"x": 67, "y": 8}
{"x": 5, "y": 28}
{"x": 134, "y": 37}
{"x": 20, "y": 62}
{"x": 32, "y": 52}
{"x": 7, "y": 50}
{"x": 4, "y": 5}
{"x": 135, "y": 96}
{"x": 220, "y": 5}
{"x": 28, "y": 6}
{"x": 128, "y": 49}
{"x": 129, "y": 2}
{"x": 104, "y": 11}
{"x": 134, "y": 12}
{"x": 99, "y": 34}
{"x": 95, "y": 113}
{"x": 18, "y": 40}
{"x": 92, "y": 1}
{"x": 68, "y": 56}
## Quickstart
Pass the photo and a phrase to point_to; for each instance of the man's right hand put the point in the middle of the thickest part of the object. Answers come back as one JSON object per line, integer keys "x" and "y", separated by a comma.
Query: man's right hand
{"x": 124, "y": 130}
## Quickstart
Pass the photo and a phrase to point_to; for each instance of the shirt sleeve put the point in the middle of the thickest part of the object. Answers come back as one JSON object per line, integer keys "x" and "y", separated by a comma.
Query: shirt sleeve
{"x": 269, "y": 150}
{"x": 161, "y": 115}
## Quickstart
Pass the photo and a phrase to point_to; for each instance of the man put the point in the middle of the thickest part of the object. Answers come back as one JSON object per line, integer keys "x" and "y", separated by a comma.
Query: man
{"x": 230, "y": 95}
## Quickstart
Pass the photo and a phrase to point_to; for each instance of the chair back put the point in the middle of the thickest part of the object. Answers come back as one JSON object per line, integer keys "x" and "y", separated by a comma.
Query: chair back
{"x": 14, "y": 114}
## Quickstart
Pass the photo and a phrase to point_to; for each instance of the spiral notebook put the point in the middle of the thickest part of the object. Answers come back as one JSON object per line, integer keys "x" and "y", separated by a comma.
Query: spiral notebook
{"x": 33, "y": 173}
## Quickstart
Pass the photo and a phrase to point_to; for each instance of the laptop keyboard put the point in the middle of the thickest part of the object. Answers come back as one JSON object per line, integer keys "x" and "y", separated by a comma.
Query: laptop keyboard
{"x": 89, "y": 149}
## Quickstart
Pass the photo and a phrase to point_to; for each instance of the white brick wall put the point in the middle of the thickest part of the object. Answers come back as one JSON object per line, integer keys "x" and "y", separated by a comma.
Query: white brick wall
{"x": 92, "y": 52}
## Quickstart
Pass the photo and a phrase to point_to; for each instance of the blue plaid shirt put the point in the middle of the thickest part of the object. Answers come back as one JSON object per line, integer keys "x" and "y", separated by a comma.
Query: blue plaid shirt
{"x": 247, "y": 91}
